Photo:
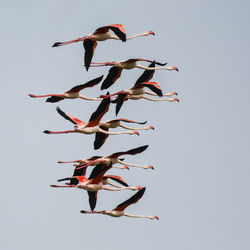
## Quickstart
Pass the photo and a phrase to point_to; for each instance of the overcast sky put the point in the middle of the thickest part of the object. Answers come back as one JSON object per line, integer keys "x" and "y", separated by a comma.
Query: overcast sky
{"x": 199, "y": 148}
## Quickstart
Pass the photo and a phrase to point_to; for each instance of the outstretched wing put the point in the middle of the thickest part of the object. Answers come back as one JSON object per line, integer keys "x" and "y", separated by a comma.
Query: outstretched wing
{"x": 131, "y": 200}
{"x": 100, "y": 138}
{"x": 119, "y": 102}
{"x": 113, "y": 75}
{"x": 98, "y": 172}
{"x": 89, "y": 46}
{"x": 133, "y": 151}
{"x": 153, "y": 86}
{"x": 117, "y": 179}
{"x": 92, "y": 199}
{"x": 99, "y": 113}
{"x": 116, "y": 28}
{"x": 89, "y": 84}
{"x": 70, "y": 118}
{"x": 147, "y": 75}
{"x": 54, "y": 99}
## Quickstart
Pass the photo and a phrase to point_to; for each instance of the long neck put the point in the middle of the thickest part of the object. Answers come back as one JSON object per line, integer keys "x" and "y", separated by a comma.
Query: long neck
{"x": 90, "y": 99}
{"x": 118, "y": 133}
{"x": 113, "y": 185}
{"x": 115, "y": 38}
{"x": 148, "y": 68}
{"x": 170, "y": 94}
{"x": 121, "y": 167}
{"x": 160, "y": 100}
{"x": 141, "y": 34}
{"x": 143, "y": 128}
{"x": 140, "y": 216}
{"x": 120, "y": 188}
{"x": 135, "y": 165}
{"x": 149, "y": 93}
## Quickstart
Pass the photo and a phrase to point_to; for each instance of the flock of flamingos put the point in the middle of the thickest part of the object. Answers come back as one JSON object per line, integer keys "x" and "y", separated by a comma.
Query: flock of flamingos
{"x": 97, "y": 179}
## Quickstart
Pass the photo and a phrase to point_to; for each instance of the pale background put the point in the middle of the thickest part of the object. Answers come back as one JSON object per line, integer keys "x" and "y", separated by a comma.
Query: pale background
{"x": 200, "y": 146}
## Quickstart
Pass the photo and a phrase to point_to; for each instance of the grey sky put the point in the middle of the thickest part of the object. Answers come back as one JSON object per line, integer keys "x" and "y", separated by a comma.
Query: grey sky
{"x": 200, "y": 146}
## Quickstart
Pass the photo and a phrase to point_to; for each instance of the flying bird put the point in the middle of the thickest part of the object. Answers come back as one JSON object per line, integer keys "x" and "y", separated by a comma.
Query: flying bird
{"x": 101, "y": 34}
{"x": 72, "y": 93}
{"x": 138, "y": 92}
{"x": 93, "y": 125}
{"x": 100, "y": 138}
{"x": 113, "y": 158}
{"x": 117, "y": 67}
{"x": 119, "y": 210}
{"x": 94, "y": 183}
{"x": 93, "y": 163}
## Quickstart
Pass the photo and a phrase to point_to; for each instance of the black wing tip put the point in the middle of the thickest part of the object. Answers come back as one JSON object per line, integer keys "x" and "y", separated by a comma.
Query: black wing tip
{"x": 56, "y": 44}
{"x": 86, "y": 67}
{"x": 99, "y": 78}
{"x": 161, "y": 64}
{"x": 103, "y": 87}
{"x": 53, "y": 99}
{"x": 141, "y": 191}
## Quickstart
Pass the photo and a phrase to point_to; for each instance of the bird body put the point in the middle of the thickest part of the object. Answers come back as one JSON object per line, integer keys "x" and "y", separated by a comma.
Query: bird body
{"x": 118, "y": 66}
{"x": 99, "y": 35}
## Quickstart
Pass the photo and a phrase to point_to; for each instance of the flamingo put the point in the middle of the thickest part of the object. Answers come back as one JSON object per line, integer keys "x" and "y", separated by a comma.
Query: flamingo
{"x": 119, "y": 210}
{"x": 93, "y": 124}
{"x": 117, "y": 67}
{"x": 93, "y": 163}
{"x": 113, "y": 158}
{"x": 100, "y": 138}
{"x": 101, "y": 34}
{"x": 138, "y": 92}
{"x": 72, "y": 93}
{"x": 94, "y": 183}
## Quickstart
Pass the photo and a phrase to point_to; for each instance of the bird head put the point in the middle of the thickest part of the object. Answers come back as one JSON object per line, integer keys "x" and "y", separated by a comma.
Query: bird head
{"x": 150, "y": 32}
